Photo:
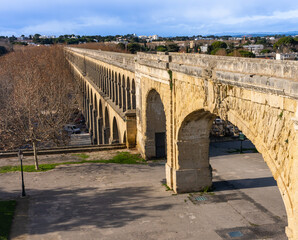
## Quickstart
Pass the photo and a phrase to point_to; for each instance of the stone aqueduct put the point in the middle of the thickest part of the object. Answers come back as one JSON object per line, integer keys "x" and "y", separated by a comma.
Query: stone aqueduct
{"x": 165, "y": 105}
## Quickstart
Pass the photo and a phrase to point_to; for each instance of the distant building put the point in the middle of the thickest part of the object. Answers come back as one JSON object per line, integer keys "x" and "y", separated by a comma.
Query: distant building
{"x": 286, "y": 56}
{"x": 154, "y": 37}
{"x": 255, "y": 48}
{"x": 143, "y": 37}
{"x": 204, "y": 48}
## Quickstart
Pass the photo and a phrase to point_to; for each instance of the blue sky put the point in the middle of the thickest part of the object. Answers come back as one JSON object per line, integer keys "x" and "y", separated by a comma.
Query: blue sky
{"x": 162, "y": 17}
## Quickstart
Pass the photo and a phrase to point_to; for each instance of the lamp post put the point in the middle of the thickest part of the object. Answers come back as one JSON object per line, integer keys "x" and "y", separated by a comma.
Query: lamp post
{"x": 20, "y": 154}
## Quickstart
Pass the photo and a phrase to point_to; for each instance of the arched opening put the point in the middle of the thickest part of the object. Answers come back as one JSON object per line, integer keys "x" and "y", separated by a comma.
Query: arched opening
{"x": 124, "y": 137}
{"x": 128, "y": 94}
{"x": 133, "y": 93}
{"x": 115, "y": 131}
{"x": 155, "y": 146}
{"x": 95, "y": 121}
{"x": 124, "y": 94}
{"x": 120, "y": 91}
{"x": 100, "y": 123}
{"x": 91, "y": 120}
{"x": 105, "y": 81}
{"x": 86, "y": 109}
{"x": 236, "y": 171}
{"x": 100, "y": 78}
{"x": 110, "y": 84}
{"x": 113, "y": 87}
{"x": 116, "y": 89}
{"x": 107, "y": 127}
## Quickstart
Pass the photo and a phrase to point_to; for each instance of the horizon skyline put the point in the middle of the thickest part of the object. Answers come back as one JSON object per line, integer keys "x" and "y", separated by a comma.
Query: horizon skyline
{"x": 232, "y": 34}
{"x": 167, "y": 18}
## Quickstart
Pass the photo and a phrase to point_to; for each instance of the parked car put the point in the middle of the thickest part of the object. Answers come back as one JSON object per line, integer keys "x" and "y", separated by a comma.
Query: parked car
{"x": 71, "y": 129}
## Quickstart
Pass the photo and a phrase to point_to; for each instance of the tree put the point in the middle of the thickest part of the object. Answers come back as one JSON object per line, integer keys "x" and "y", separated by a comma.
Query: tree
{"x": 3, "y": 50}
{"x": 133, "y": 47}
{"x": 37, "y": 98}
{"x": 247, "y": 54}
{"x": 266, "y": 51}
{"x": 219, "y": 44}
{"x": 221, "y": 52}
{"x": 121, "y": 46}
{"x": 173, "y": 47}
{"x": 284, "y": 44}
{"x": 235, "y": 53}
{"x": 36, "y": 38}
{"x": 161, "y": 48}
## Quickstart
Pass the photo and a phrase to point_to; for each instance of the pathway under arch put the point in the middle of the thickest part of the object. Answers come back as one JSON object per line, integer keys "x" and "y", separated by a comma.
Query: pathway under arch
{"x": 155, "y": 143}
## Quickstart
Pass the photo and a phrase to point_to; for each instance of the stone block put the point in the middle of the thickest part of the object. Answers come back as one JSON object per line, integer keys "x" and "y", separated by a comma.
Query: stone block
{"x": 191, "y": 180}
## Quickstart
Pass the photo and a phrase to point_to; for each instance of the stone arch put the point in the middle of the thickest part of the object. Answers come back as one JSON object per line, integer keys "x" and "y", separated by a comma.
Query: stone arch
{"x": 100, "y": 123}
{"x": 90, "y": 112}
{"x": 116, "y": 89}
{"x": 113, "y": 86}
{"x": 123, "y": 94}
{"x": 107, "y": 127}
{"x": 100, "y": 78}
{"x": 193, "y": 140}
{"x": 124, "y": 137}
{"x": 95, "y": 120}
{"x": 133, "y": 94}
{"x": 120, "y": 90}
{"x": 105, "y": 80}
{"x": 155, "y": 143}
{"x": 252, "y": 132}
{"x": 97, "y": 75}
{"x": 110, "y": 84}
{"x": 115, "y": 131}
{"x": 128, "y": 94}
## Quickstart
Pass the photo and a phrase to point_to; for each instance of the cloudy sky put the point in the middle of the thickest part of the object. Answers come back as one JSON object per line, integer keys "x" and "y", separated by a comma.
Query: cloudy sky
{"x": 162, "y": 17}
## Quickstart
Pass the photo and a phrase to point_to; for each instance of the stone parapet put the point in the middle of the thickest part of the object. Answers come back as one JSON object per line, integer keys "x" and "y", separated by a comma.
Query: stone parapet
{"x": 122, "y": 60}
{"x": 259, "y": 74}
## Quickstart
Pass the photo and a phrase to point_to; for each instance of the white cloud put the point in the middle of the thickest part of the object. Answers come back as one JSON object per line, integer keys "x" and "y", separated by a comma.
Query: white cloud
{"x": 70, "y": 26}
{"x": 276, "y": 16}
{"x": 171, "y": 17}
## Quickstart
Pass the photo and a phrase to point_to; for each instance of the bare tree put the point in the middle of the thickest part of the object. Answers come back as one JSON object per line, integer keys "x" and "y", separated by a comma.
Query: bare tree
{"x": 37, "y": 97}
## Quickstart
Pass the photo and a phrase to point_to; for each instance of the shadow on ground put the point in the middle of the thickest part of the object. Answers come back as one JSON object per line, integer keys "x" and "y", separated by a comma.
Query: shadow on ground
{"x": 243, "y": 183}
{"x": 225, "y": 148}
{"x": 66, "y": 209}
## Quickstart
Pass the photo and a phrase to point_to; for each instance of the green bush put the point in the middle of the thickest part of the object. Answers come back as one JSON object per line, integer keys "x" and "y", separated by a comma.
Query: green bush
{"x": 133, "y": 47}
{"x": 246, "y": 54}
{"x": 218, "y": 44}
{"x": 161, "y": 48}
{"x": 3, "y": 50}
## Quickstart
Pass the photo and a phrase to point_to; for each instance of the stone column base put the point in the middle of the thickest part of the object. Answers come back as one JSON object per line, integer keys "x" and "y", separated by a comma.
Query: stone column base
{"x": 191, "y": 180}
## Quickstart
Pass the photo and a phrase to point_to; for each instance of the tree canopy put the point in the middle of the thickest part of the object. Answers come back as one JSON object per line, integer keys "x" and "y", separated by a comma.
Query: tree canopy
{"x": 219, "y": 44}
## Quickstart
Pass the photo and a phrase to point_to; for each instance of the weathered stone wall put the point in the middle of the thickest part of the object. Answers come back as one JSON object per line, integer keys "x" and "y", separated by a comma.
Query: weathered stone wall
{"x": 258, "y": 96}
{"x": 108, "y": 96}
{"x": 122, "y": 60}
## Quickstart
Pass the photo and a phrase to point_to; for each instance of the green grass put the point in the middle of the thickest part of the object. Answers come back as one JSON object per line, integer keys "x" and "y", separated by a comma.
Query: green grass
{"x": 120, "y": 158}
{"x": 167, "y": 187}
{"x": 7, "y": 209}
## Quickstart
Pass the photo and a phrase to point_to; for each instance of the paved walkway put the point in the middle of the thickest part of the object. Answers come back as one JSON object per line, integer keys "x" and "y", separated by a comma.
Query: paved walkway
{"x": 129, "y": 202}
